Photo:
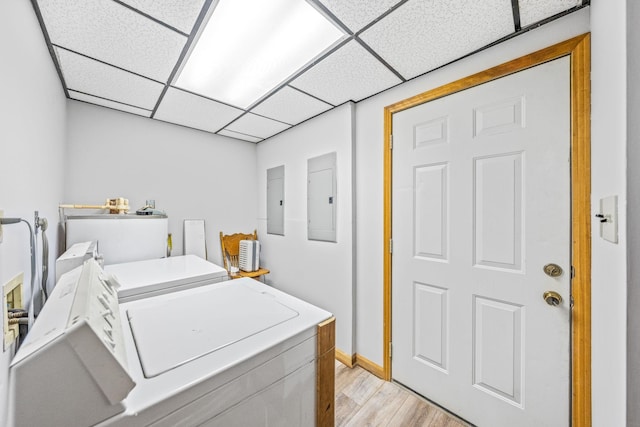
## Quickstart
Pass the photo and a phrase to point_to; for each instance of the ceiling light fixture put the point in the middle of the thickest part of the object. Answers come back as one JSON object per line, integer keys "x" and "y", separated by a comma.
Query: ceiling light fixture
{"x": 249, "y": 47}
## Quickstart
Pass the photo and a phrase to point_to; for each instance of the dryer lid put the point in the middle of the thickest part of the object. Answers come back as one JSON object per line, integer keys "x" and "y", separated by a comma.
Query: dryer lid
{"x": 194, "y": 323}
{"x": 140, "y": 277}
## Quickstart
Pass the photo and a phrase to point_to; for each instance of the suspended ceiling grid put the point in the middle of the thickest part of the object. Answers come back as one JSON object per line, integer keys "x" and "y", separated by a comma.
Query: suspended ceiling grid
{"x": 127, "y": 54}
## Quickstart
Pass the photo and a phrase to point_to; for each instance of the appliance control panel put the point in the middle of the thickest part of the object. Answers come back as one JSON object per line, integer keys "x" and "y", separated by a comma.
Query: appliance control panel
{"x": 96, "y": 304}
{"x": 77, "y": 338}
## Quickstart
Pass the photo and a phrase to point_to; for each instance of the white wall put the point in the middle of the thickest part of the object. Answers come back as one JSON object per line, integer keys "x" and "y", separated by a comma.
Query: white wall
{"x": 32, "y": 121}
{"x": 190, "y": 174}
{"x": 633, "y": 211}
{"x": 609, "y": 128}
{"x": 319, "y": 272}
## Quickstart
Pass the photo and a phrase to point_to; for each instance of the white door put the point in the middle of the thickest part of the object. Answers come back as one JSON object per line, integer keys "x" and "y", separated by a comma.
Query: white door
{"x": 481, "y": 203}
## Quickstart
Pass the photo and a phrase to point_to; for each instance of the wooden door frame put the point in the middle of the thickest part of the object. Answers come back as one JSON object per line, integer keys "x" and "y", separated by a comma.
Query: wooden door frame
{"x": 578, "y": 49}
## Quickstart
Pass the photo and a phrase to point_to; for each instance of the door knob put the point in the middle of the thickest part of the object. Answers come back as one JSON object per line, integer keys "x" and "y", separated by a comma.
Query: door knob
{"x": 552, "y": 298}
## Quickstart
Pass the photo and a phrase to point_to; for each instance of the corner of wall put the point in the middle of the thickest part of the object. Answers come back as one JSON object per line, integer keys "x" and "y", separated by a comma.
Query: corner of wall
{"x": 33, "y": 141}
{"x": 327, "y": 267}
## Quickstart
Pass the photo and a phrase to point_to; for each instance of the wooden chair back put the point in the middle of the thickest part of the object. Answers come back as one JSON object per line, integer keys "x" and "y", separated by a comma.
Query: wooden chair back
{"x": 230, "y": 245}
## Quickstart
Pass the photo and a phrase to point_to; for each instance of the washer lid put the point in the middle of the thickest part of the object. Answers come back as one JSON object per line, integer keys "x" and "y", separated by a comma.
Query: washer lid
{"x": 140, "y": 277}
{"x": 194, "y": 323}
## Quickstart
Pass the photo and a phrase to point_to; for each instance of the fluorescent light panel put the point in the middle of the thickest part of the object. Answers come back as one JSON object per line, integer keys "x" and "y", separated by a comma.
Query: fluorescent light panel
{"x": 251, "y": 46}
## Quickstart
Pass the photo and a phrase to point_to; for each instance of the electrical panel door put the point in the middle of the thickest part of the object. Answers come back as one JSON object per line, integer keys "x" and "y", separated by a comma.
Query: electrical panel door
{"x": 275, "y": 200}
{"x": 321, "y": 198}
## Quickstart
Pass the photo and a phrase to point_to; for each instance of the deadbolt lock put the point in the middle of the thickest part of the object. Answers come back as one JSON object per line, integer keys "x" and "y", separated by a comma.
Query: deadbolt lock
{"x": 552, "y": 298}
{"x": 552, "y": 270}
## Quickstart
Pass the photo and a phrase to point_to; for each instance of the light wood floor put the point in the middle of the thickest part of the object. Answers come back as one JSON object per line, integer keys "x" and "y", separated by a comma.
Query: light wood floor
{"x": 362, "y": 399}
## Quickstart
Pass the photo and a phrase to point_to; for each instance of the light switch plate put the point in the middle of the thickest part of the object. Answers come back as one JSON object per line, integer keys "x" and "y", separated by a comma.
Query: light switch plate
{"x": 609, "y": 220}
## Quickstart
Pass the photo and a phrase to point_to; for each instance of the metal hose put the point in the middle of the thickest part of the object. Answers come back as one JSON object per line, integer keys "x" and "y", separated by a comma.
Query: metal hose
{"x": 43, "y": 223}
{"x": 32, "y": 243}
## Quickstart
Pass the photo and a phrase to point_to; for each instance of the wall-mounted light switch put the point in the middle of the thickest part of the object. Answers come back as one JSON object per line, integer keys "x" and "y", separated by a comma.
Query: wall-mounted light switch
{"x": 608, "y": 217}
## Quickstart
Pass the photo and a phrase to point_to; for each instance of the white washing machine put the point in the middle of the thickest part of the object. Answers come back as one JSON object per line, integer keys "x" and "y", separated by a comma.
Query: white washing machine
{"x": 234, "y": 353}
{"x": 143, "y": 279}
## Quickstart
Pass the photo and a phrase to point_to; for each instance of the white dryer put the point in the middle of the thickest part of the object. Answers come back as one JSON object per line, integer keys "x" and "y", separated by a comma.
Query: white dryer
{"x": 143, "y": 279}
{"x": 231, "y": 353}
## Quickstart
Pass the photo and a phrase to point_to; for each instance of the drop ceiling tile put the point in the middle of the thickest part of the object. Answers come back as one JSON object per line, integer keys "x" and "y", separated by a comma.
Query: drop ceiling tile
{"x": 106, "y": 103}
{"x": 532, "y": 11}
{"x": 194, "y": 111}
{"x": 356, "y": 14}
{"x": 115, "y": 34}
{"x": 237, "y": 135}
{"x": 350, "y": 73}
{"x": 291, "y": 106}
{"x": 180, "y": 14}
{"x": 422, "y": 35}
{"x": 260, "y": 127}
{"x": 86, "y": 75}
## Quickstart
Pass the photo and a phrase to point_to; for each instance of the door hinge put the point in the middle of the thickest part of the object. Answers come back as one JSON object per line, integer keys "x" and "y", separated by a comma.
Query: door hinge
{"x": 573, "y": 272}
{"x": 390, "y": 350}
{"x": 390, "y": 246}
{"x": 391, "y": 142}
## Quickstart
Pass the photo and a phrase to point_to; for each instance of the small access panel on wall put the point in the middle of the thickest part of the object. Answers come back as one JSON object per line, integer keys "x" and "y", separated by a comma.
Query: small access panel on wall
{"x": 321, "y": 198}
{"x": 275, "y": 200}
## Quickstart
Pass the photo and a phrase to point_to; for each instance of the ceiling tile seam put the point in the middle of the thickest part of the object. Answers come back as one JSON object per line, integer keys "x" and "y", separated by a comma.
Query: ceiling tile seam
{"x": 106, "y": 63}
{"x": 233, "y": 121}
{"x": 329, "y": 15}
{"x": 496, "y": 42}
{"x": 298, "y": 124}
{"x": 303, "y": 70}
{"x": 380, "y": 59}
{"x": 503, "y": 39}
{"x": 52, "y": 52}
{"x": 106, "y": 99}
{"x": 306, "y": 120}
{"x": 185, "y": 126}
{"x": 515, "y": 7}
{"x": 156, "y": 20}
{"x": 275, "y": 134}
{"x": 265, "y": 117}
{"x": 241, "y": 133}
{"x": 244, "y": 114}
{"x": 300, "y": 72}
{"x": 206, "y": 97}
{"x": 110, "y": 108}
{"x": 384, "y": 15}
{"x": 185, "y": 50}
{"x": 550, "y": 19}
{"x": 310, "y": 95}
